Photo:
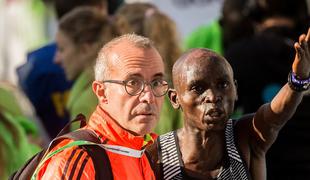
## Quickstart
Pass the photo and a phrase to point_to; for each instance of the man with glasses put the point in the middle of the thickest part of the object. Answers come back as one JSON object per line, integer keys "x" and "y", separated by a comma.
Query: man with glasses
{"x": 130, "y": 86}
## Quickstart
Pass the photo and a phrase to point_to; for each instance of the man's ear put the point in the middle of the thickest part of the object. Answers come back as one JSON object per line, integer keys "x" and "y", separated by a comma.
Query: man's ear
{"x": 99, "y": 90}
{"x": 173, "y": 96}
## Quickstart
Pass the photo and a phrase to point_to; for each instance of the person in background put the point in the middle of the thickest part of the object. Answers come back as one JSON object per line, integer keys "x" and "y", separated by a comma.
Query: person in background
{"x": 43, "y": 81}
{"x": 15, "y": 147}
{"x": 130, "y": 87}
{"x": 20, "y": 136}
{"x": 147, "y": 20}
{"x": 235, "y": 23}
{"x": 81, "y": 34}
{"x": 272, "y": 46}
{"x": 223, "y": 148}
{"x": 272, "y": 49}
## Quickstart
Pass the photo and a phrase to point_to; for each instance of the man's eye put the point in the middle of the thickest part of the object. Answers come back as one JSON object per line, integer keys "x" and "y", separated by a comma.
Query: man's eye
{"x": 133, "y": 82}
{"x": 158, "y": 83}
{"x": 223, "y": 84}
{"x": 197, "y": 89}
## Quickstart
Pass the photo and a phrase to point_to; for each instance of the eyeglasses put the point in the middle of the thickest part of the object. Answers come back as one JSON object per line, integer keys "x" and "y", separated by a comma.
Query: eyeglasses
{"x": 136, "y": 86}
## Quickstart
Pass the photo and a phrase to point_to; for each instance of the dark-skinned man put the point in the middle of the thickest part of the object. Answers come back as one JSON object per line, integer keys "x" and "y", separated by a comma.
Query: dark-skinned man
{"x": 211, "y": 145}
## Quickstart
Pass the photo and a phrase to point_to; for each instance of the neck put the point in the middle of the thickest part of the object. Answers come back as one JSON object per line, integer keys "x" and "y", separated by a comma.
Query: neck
{"x": 207, "y": 150}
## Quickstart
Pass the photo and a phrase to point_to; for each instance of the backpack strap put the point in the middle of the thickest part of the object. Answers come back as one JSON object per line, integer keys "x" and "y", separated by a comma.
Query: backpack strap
{"x": 88, "y": 141}
{"x": 26, "y": 171}
{"x": 149, "y": 158}
{"x": 98, "y": 155}
{"x": 80, "y": 117}
{"x": 101, "y": 162}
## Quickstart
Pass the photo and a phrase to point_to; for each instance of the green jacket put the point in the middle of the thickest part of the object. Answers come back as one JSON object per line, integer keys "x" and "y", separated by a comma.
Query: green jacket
{"x": 82, "y": 99}
{"x": 209, "y": 36}
{"x": 15, "y": 128}
{"x": 170, "y": 118}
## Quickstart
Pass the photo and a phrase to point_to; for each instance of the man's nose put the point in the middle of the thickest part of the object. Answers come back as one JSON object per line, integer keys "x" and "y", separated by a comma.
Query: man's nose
{"x": 212, "y": 96}
{"x": 147, "y": 94}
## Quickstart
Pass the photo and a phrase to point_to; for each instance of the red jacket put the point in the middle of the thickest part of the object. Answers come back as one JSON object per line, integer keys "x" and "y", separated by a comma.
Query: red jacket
{"x": 74, "y": 163}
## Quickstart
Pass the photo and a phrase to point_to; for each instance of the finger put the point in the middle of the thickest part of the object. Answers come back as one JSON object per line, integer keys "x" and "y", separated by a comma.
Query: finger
{"x": 308, "y": 41}
{"x": 299, "y": 50}
{"x": 301, "y": 38}
{"x": 308, "y": 36}
{"x": 296, "y": 46}
{"x": 303, "y": 43}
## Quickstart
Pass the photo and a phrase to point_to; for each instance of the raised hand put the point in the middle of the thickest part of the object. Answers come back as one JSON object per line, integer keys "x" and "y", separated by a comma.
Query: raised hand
{"x": 301, "y": 64}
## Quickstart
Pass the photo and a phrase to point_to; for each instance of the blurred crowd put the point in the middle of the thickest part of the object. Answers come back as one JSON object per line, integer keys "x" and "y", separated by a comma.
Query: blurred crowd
{"x": 54, "y": 84}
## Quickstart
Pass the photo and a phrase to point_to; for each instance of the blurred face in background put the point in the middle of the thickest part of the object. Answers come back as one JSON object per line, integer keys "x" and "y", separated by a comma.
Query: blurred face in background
{"x": 70, "y": 56}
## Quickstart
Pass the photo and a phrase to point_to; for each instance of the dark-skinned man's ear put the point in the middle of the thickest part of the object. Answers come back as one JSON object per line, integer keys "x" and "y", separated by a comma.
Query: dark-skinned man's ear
{"x": 172, "y": 94}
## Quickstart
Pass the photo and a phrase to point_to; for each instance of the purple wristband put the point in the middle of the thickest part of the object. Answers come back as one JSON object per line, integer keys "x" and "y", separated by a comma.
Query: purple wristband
{"x": 297, "y": 84}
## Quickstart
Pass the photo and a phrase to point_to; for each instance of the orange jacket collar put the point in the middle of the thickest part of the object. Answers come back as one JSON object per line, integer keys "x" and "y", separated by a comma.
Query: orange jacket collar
{"x": 106, "y": 126}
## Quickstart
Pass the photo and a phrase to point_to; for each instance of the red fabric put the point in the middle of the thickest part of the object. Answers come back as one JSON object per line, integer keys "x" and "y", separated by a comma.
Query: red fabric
{"x": 68, "y": 163}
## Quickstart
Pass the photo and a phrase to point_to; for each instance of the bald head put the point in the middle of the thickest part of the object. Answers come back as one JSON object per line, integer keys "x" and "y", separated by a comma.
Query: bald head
{"x": 112, "y": 49}
{"x": 199, "y": 59}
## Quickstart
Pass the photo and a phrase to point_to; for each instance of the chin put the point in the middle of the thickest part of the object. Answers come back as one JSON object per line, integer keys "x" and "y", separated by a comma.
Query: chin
{"x": 212, "y": 126}
{"x": 145, "y": 120}
{"x": 142, "y": 132}
{"x": 145, "y": 128}
{"x": 216, "y": 127}
{"x": 144, "y": 124}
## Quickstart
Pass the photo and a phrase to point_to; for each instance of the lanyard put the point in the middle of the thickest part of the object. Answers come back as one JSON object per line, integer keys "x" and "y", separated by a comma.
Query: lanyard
{"x": 123, "y": 150}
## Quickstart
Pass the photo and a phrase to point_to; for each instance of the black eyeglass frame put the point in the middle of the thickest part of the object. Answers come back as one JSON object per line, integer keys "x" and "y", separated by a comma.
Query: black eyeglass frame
{"x": 144, "y": 83}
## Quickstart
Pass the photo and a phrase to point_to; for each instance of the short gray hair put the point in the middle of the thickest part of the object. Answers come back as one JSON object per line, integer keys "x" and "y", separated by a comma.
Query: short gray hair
{"x": 102, "y": 65}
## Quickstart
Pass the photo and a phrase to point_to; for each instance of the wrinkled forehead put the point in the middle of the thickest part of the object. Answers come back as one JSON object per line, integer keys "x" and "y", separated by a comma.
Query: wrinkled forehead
{"x": 129, "y": 59}
{"x": 202, "y": 64}
{"x": 206, "y": 63}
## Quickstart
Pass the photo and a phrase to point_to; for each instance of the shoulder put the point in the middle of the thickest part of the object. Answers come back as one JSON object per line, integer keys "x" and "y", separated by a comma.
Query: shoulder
{"x": 78, "y": 98}
{"x": 42, "y": 53}
{"x": 247, "y": 139}
{"x": 242, "y": 128}
{"x": 161, "y": 145}
{"x": 71, "y": 163}
{"x": 242, "y": 132}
